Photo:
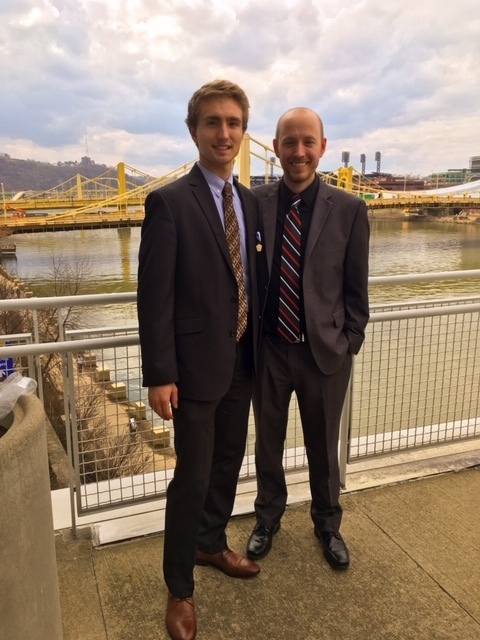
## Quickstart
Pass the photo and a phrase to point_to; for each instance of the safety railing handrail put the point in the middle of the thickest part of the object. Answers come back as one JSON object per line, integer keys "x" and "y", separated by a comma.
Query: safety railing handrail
{"x": 133, "y": 339}
{"x": 114, "y": 298}
{"x": 57, "y": 302}
{"x": 69, "y": 345}
{"x": 62, "y": 302}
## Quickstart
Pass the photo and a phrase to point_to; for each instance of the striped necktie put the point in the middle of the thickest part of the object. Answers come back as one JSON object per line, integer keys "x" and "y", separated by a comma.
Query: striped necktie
{"x": 232, "y": 232}
{"x": 289, "y": 298}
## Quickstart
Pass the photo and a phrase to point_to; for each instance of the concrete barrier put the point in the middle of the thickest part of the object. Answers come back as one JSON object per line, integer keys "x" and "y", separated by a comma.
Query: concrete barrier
{"x": 29, "y": 602}
{"x": 117, "y": 391}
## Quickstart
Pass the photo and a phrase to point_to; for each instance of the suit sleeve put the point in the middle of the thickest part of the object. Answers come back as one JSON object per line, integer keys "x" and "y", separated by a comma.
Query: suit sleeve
{"x": 356, "y": 280}
{"x": 156, "y": 291}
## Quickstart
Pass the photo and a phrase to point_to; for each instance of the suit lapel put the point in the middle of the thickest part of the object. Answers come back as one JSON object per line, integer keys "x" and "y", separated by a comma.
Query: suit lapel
{"x": 321, "y": 211}
{"x": 269, "y": 206}
{"x": 250, "y": 229}
{"x": 203, "y": 195}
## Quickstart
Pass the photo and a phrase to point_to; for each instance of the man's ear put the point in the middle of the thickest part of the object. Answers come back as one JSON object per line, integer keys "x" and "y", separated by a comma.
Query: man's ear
{"x": 275, "y": 147}
{"x": 324, "y": 146}
{"x": 193, "y": 133}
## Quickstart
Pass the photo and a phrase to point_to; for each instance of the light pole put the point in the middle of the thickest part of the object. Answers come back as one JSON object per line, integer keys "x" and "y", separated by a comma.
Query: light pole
{"x": 345, "y": 158}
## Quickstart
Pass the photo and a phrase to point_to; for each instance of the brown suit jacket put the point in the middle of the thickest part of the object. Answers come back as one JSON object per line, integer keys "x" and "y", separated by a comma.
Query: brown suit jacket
{"x": 335, "y": 273}
{"x": 187, "y": 292}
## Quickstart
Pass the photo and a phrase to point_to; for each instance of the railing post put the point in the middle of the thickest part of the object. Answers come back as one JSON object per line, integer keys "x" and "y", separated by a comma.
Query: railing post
{"x": 345, "y": 430}
{"x": 37, "y": 359}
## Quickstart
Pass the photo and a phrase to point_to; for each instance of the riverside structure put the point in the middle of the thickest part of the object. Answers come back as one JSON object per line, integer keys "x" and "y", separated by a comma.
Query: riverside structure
{"x": 95, "y": 203}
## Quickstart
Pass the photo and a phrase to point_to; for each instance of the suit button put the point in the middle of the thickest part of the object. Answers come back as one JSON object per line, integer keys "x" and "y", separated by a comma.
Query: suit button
{"x": 233, "y": 334}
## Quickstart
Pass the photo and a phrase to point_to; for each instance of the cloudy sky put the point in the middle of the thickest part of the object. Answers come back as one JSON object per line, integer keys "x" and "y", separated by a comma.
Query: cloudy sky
{"x": 111, "y": 78}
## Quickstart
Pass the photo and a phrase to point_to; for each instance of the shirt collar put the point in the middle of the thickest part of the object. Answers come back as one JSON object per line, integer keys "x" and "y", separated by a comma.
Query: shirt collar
{"x": 308, "y": 195}
{"x": 215, "y": 183}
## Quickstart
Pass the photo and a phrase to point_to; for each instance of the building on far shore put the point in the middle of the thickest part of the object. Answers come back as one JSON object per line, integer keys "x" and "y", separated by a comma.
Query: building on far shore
{"x": 448, "y": 178}
{"x": 474, "y": 168}
{"x": 396, "y": 183}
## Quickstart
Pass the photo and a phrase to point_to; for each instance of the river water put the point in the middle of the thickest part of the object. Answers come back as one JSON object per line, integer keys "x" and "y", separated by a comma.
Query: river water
{"x": 107, "y": 260}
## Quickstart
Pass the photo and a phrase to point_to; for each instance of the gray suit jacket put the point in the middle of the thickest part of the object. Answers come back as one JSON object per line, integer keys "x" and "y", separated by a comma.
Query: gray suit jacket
{"x": 335, "y": 273}
{"x": 187, "y": 292}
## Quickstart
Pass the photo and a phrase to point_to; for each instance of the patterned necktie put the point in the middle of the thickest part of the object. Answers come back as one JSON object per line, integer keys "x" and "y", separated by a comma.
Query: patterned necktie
{"x": 232, "y": 232}
{"x": 289, "y": 299}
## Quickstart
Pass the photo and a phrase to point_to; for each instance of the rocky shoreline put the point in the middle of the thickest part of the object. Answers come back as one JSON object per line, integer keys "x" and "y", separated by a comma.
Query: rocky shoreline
{"x": 468, "y": 216}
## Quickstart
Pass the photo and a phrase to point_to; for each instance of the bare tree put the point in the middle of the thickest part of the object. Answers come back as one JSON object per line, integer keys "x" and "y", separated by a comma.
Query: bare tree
{"x": 104, "y": 453}
{"x": 66, "y": 278}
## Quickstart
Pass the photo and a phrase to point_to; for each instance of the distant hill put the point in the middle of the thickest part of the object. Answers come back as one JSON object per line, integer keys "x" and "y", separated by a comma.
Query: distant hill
{"x": 26, "y": 175}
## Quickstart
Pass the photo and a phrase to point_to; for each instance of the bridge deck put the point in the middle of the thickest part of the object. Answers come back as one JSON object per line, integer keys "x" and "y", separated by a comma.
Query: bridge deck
{"x": 130, "y": 213}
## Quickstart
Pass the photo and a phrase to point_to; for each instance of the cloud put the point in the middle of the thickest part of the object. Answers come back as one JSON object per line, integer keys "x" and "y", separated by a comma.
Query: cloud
{"x": 115, "y": 77}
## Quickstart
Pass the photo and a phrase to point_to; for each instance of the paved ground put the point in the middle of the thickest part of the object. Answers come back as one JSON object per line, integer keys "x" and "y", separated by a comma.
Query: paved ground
{"x": 414, "y": 575}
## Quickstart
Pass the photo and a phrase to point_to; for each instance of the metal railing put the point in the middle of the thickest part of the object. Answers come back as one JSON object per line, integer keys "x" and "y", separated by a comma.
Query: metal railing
{"x": 415, "y": 383}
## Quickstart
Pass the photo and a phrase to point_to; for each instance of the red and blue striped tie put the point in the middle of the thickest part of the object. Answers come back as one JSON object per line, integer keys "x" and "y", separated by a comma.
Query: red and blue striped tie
{"x": 289, "y": 299}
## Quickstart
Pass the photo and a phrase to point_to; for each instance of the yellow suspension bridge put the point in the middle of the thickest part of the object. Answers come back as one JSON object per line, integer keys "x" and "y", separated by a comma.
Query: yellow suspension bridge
{"x": 115, "y": 199}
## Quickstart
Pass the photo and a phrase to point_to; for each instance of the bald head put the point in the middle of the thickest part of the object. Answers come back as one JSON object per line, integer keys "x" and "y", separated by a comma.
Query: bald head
{"x": 298, "y": 112}
{"x": 299, "y": 144}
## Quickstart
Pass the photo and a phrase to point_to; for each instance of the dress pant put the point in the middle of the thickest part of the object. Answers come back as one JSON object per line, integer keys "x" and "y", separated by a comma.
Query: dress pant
{"x": 282, "y": 369}
{"x": 210, "y": 439}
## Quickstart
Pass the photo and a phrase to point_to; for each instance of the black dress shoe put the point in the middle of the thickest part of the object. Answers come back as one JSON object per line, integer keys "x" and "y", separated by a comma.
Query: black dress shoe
{"x": 334, "y": 549}
{"x": 260, "y": 541}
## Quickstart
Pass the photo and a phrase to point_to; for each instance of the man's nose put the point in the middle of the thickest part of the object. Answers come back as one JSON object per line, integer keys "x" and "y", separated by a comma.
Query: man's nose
{"x": 299, "y": 150}
{"x": 223, "y": 130}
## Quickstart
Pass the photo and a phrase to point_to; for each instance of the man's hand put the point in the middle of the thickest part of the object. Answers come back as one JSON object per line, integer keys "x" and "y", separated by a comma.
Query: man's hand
{"x": 162, "y": 398}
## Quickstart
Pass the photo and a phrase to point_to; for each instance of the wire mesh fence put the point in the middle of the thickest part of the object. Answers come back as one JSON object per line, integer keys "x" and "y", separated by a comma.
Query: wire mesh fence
{"x": 416, "y": 383}
{"x": 417, "y": 379}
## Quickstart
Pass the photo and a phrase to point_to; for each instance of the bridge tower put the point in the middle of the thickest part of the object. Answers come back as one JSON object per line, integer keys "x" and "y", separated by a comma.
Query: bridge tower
{"x": 79, "y": 187}
{"x": 243, "y": 162}
{"x": 345, "y": 178}
{"x": 122, "y": 186}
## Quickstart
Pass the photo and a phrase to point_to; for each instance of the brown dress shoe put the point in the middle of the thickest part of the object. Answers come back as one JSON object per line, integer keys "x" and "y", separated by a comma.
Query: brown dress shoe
{"x": 231, "y": 563}
{"x": 180, "y": 619}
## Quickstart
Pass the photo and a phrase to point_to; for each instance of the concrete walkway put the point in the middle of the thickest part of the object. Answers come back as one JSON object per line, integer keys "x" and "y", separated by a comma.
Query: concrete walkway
{"x": 414, "y": 575}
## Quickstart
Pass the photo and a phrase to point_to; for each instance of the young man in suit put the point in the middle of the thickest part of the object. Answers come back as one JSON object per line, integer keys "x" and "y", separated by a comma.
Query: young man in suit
{"x": 197, "y": 309}
{"x": 313, "y": 323}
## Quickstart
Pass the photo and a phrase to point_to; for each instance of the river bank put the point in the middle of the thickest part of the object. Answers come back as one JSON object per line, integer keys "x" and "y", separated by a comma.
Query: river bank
{"x": 467, "y": 216}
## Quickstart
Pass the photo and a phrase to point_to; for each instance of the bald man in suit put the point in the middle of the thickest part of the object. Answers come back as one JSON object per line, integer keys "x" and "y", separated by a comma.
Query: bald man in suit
{"x": 198, "y": 342}
{"x": 328, "y": 314}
